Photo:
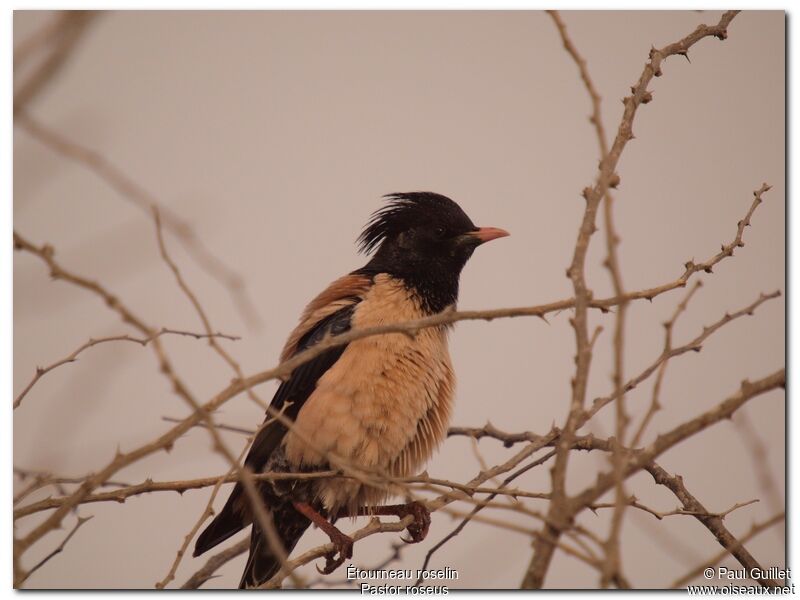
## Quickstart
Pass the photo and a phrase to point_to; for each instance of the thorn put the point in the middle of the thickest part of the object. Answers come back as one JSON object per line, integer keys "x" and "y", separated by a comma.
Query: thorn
{"x": 647, "y": 97}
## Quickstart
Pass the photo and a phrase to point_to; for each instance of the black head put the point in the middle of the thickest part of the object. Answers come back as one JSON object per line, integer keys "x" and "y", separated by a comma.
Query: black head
{"x": 424, "y": 239}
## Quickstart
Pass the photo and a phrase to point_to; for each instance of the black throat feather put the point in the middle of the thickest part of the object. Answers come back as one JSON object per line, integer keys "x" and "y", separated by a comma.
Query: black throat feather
{"x": 435, "y": 289}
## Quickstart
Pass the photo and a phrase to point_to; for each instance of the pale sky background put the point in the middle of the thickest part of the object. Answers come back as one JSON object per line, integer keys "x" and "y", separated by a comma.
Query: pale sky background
{"x": 276, "y": 133}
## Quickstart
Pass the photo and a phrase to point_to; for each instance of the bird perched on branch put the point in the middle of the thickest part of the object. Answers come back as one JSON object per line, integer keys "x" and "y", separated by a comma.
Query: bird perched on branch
{"x": 380, "y": 403}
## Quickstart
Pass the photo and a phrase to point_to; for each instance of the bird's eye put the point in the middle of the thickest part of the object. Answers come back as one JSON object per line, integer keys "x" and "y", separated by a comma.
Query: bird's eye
{"x": 439, "y": 231}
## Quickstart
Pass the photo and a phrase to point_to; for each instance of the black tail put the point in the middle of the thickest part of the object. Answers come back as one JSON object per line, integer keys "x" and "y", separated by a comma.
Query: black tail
{"x": 262, "y": 563}
{"x": 230, "y": 520}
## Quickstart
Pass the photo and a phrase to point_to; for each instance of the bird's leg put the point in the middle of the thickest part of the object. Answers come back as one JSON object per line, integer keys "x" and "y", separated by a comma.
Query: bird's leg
{"x": 418, "y": 529}
{"x": 343, "y": 544}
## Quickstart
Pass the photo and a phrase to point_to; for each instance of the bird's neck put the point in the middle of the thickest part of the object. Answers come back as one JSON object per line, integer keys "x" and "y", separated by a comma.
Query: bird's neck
{"x": 434, "y": 284}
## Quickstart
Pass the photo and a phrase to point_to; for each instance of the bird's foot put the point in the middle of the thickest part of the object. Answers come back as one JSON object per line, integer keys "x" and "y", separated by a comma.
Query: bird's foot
{"x": 342, "y": 550}
{"x": 418, "y": 528}
{"x": 342, "y": 544}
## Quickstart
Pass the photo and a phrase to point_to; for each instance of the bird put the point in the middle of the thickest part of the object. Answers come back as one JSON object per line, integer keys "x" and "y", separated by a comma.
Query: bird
{"x": 381, "y": 402}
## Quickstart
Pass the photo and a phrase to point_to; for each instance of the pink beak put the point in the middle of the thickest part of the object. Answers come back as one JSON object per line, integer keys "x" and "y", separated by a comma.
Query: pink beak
{"x": 487, "y": 234}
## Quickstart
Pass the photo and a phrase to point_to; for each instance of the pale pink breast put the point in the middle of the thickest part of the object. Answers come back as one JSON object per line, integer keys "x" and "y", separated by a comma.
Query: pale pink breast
{"x": 384, "y": 405}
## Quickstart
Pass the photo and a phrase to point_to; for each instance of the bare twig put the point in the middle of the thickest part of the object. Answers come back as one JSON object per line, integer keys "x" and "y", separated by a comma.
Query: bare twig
{"x": 220, "y": 426}
{"x": 262, "y": 515}
{"x": 63, "y": 36}
{"x": 694, "y": 345}
{"x": 758, "y": 454}
{"x": 724, "y": 410}
{"x": 716, "y": 559}
{"x": 46, "y": 253}
{"x": 612, "y": 563}
{"x": 131, "y": 191}
{"x": 669, "y": 326}
{"x": 208, "y": 511}
{"x": 633, "y": 502}
{"x": 73, "y": 356}
{"x": 714, "y": 523}
{"x": 214, "y": 562}
{"x": 607, "y": 177}
{"x": 19, "y": 580}
{"x": 198, "y": 307}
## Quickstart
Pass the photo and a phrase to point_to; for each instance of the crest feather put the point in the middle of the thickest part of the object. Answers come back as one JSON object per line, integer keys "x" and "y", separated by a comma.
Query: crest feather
{"x": 402, "y": 211}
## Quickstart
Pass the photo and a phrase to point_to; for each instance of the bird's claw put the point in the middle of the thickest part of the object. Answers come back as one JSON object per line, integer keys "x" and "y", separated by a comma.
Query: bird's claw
{"x": 342, "y": 550}
{"x": 418, "y": 528}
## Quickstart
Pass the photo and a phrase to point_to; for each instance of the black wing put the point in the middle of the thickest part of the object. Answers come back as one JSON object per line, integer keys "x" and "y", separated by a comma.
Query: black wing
{"x": 299, "y": 386}
{"x": 235, "y": 515}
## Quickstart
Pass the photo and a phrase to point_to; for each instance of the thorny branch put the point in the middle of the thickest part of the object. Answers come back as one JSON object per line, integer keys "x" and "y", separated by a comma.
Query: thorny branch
{"x": 73, "y": 356}
{"x": 58, "y": 550}
{"x": 559, "y": 517}
{"x": 714, "y": 523}
{"x": 718, "y": 558}
{"x": 627, "y": 456}
{"x": 611, "y": 566}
